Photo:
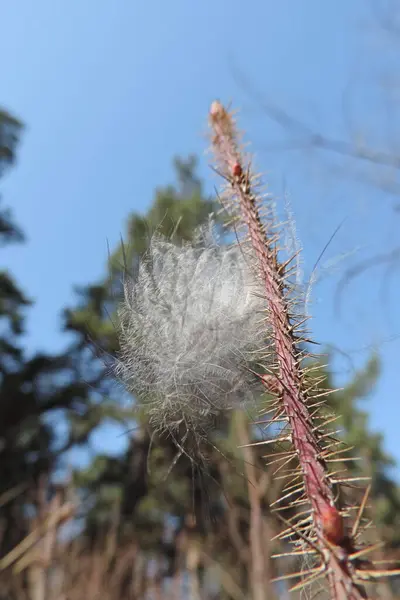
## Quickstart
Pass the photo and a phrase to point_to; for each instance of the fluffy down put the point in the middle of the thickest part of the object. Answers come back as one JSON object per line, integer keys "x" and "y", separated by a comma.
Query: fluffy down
{"x": 189, "y": 330}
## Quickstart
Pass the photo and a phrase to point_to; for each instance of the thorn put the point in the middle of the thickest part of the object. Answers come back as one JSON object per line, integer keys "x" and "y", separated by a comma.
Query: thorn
{"x": 325, "y": 423}
{"x": 377, "y": 574}
{"x": 286, "y": 438}
{"x": 299, "y": 488}
{"x": 287, "y": 461}
{"x": 294, "y": 575}
{"x": 301, "y": 535}
{"x": 282, "y": 456}
{"x": 298, "y": 553}
{"x": 310, "y": 579}
{"x": 365, "y": 551}
{"x": 336, "y": 452}
{"x": 346, "y": 480}
{"x": 294, "y": 473}
{"x": 360, "y": 512}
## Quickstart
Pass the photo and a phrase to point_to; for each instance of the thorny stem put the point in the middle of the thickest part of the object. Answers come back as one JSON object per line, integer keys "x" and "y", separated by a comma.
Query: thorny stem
{"x": 293, "y": 394}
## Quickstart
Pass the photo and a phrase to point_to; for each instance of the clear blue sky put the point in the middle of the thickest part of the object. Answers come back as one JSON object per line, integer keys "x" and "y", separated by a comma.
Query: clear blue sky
{"x": 110, "y": 91}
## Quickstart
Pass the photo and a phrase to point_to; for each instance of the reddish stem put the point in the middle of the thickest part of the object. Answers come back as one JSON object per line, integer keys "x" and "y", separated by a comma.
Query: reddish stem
{"x": 290, "y": 375}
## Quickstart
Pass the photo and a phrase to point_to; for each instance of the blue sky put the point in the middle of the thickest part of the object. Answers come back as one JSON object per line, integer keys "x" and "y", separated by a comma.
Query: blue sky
{"x": 110, "y": 91}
